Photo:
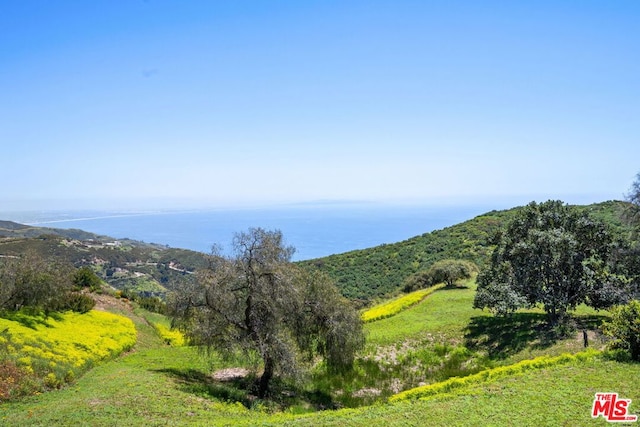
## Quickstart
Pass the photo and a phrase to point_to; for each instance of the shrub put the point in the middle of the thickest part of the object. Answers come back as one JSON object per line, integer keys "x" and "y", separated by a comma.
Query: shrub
{"x": 80, "y": 303}
{"x": 624, "y": 328}
{"x": 153, "y": 304}
{"x": 450, "y": 271}
{"x": 32, "y": 281}
{"x": 85, "y": 277}
{"x": 11, "y": 376}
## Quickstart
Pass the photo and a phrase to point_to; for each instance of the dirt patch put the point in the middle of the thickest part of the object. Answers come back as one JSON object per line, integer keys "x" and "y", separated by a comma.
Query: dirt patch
{"x": 230, "y": 374}
{"x": 363, "y": 392}
{"x": 106, "y": 302}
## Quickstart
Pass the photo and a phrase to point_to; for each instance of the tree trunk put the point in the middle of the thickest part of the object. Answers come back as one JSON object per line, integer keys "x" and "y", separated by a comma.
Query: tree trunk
{"x": 634, "y": 347}
{"x": 263, "y": 386}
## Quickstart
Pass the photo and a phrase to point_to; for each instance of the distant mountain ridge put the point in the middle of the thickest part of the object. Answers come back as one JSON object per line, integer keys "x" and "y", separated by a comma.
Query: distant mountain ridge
{"x": 14, "y": 229}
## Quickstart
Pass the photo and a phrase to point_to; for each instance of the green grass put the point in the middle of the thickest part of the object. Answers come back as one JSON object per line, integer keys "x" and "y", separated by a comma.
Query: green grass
{"x": 445, "y": 313}
{"x": 442, "y": 337}
{"x": 153, "y": 385}
{"x": 396, "y": 305}
{"x": 162, "y": 325}
{"x": 492, "y": 374}
{"x": 137, "y": 391}
{"x": 157, "y": 384}
{"x": 558, "y": 396}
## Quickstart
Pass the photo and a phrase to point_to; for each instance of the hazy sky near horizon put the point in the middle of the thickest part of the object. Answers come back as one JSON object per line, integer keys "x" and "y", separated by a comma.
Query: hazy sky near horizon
{"x": 126, "y": 103}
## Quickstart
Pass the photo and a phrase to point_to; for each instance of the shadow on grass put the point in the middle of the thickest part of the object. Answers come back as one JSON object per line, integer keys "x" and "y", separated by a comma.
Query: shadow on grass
{"x": 30, "y": 319}
{"x": 197, "y": 382}
{"x": 502, "y": 337}
{"x": 590, "y": 322}
{"x": 454, "y": 287}
{"x": 244, "y": 390}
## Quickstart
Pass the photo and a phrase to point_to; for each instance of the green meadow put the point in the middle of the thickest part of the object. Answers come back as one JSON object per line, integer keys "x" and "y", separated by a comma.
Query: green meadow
{"x": 424, "y": 345}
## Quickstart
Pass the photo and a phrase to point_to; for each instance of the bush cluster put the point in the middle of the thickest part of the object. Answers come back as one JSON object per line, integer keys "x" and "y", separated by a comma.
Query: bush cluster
{"x": 624, "y": 328}
{"x": 36, "y": 284}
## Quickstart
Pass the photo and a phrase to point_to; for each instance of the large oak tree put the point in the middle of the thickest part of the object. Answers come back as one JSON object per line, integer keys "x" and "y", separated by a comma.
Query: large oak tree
{"x": 554, "y": 255}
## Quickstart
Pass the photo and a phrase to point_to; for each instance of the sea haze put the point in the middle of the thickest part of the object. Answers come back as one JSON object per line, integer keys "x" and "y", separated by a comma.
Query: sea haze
{"x": 314, "y": 231}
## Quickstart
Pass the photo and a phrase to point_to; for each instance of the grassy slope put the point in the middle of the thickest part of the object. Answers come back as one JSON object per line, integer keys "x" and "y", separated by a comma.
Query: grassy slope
{"x": 149, "y": 387}
{"x": 380, "y": 271}
{"x": 394, "y": 306}
{"x": 161, "y": 385}
{"x": 448, "y": 315}
{"x": 551, "y": 397}
{"x": 445, "y": 312}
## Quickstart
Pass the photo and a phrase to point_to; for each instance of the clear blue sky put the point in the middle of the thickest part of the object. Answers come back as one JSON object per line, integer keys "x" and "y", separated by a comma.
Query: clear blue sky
{"x": 131, "y": 103}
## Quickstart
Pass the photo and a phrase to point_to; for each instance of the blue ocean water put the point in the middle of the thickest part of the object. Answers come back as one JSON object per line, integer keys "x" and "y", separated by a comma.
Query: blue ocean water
{"x": 314, "y": 231}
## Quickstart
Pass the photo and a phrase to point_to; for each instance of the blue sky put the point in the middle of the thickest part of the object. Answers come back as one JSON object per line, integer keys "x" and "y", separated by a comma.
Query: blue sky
{"x": 219, "y": 103}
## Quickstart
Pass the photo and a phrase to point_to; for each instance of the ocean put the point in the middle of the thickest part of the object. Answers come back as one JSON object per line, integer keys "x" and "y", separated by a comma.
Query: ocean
{"x": 315, "y": 231}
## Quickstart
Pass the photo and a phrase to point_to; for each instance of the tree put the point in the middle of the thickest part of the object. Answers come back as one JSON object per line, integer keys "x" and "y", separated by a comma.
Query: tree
{"x": 447, "y": 271}
{"x": 43, "y": 285}
{"x": 628, "y": 254}
{"x": 550, "y": 254}
{"x": 33, "y": 281}
{"x": 258, "y": 302}
{"x": 450, "y": 271}
{"x": 624, "y": 328}
{"x": 632, "y": 214}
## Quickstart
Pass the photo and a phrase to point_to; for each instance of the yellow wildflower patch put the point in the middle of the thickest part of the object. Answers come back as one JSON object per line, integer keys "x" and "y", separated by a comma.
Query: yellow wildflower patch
{"x": 69, "y": 339}
{"x": 455, "y": 383}
{"x": 170, "y": 336}
{"x": 393, "y": 307}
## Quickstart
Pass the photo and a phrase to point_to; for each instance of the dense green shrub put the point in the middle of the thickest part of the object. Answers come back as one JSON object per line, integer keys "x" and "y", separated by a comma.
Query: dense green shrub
{"x": 624, "y": 328}
{"x": 33, "y": 281}
{"x": 85, "y": 277}
{"x": 80, "y": 303}
{"x": 153, "y": 304}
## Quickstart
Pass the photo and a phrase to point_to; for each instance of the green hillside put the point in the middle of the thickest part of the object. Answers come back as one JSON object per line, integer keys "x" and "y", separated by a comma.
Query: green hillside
{"x": 123, "y": 263}
{"x": 380, "y": 271}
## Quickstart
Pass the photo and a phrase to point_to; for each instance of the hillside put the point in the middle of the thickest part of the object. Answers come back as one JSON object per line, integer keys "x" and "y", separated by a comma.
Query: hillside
{"x": 362, "y": 275}
{"x": 16, "y": 230}
{"x": 123, "y": 263}
{"x": 380, "y": 271}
